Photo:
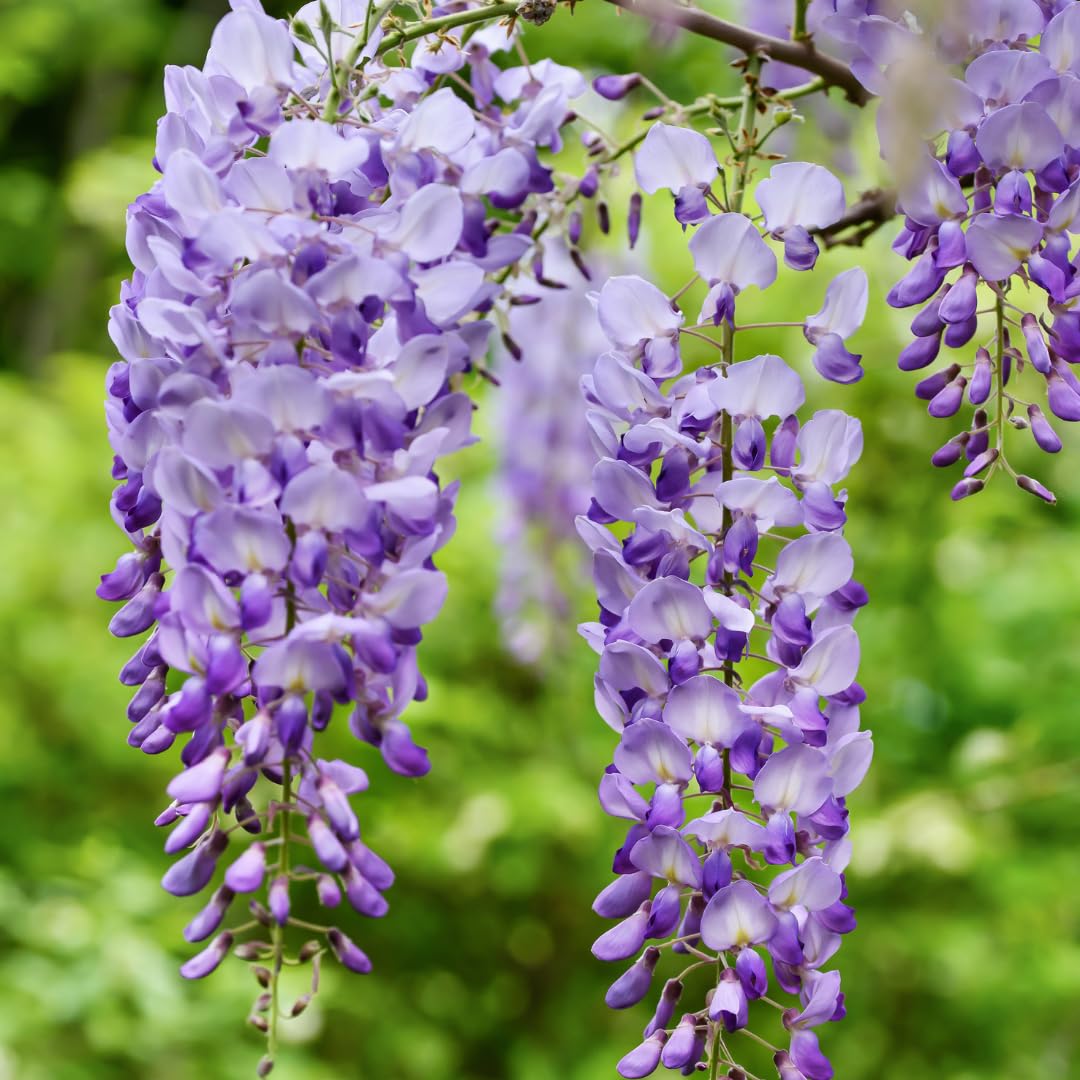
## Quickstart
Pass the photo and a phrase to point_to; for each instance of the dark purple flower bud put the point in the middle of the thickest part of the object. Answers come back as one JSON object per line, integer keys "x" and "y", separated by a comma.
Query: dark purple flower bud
{"x": 837, "y": 917}
{"x": 624, "y": 940}
{"x": 784, "y": 440}
{"x": 192, "y": 826}
{"x": 139, "y": 613}
{"x": 947, "y": 401}
{"x": 979, "y": 387}
{"x": 590, "y": 182}
{"x": 959, "y": 334}
{"x": 146, "y": 697}
{"x": 1033, "y": 487}
{"x": 1063, "y": 400}
{"x": 952, "y": 246}
{"x": 961, "y": 157}
{"x": 193, "y": 872}
{"x": 928, "y": 323}
{"x": 616, "y": 87}
{"x": 932, "y": 385}
{"x": 691, "y": 206}
{"x": 190, "y": 708}
{"x": 1046, "y": 437}
{"x": 363, "y": 896}
{"x": 603, "y": 217}
{"x": 630, "y": 987}
{"x": 256, "y": 602}
{"x": 309, "y": 559}
{"x": 920, "y": 353}
{"x": 665, "y": 912}
{"x": 691, "y": 924}
{"x": 982, "y": 461}
{"x": 960, "y": 302}
{"x": 748, "y": 447}
{"x": 290, "y": 720}
{"x": 807, "y": 1056}
{"x": 729, "y": 1004}
{"x": 967, "y": 487}
{"x": 400, "y": 752}
{"x": 226, "y": 667}
{"x": 574, "y": 228}
{"x": 1013, "y": 194}
{"x": 634, "y": 220}
{"x": 715, "y": 872}
{"x": 623, "y": 896}
{"x": 709, "y": 769}
{"x": 790, "y": 622}
{"x": 279, "y": 899}
{"x": 328, "y": 891}
{"x": 1036, "y": 344}
{"x": 348, "y": 954}
{"x": 372, "y": 866}
{"x": 201, "y": 782}
{"x": 125, "y": 580}
{"x": 920, "y": 283}
{"x": 740, "y": 545}
{"x": 202, "y": 964}
{"x": 665, "y": 1007}
{"x": 338, "y": 810}
{"x": 246, "y": 874}
{"x": 682, "y": 1048}
{"x": 643, "y": 1059}
{"x": 750, "y": 968}
{"x": 209, "y": 919}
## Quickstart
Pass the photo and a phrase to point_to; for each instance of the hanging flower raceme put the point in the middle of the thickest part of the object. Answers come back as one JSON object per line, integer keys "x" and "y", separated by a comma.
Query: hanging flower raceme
{"x": 990, "y": 200}
{"x": 727, "y": 656}
{"x": 545, "y": 457}
{"x": 307, "y": 296}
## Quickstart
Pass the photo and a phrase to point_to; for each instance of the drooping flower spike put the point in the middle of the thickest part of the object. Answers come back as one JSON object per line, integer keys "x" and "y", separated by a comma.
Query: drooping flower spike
{"x": 727, "y": 656}
{"x": 308, "y": 295}
{"x": 988, "y": 187}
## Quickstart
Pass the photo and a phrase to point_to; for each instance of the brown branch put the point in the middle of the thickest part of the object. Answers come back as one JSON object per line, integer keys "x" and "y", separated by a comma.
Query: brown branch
{"x": 801, "y": 54}
{"x": 873, "y": 210}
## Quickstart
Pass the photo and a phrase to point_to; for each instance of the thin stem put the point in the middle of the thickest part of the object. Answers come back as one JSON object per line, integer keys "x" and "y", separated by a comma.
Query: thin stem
{"x": 999, "y": 364}
{"x": 277, "y": 932}
{"x": 445, "y": 22}
{"x": 798, "y": 24}
{"x": 743, "y": 157}
{"x": 801, "y": 54}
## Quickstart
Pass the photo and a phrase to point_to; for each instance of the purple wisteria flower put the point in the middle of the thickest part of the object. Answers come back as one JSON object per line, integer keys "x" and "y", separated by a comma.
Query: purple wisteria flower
{"x": 545, "y": 454}
{"x": 990, "y": 193}
{"x": 307, "y": 297}
{"x": 727, "y": 656}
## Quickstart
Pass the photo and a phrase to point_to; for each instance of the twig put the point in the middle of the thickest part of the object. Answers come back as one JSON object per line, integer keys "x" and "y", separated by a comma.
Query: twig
{"x": 801, "y": 54}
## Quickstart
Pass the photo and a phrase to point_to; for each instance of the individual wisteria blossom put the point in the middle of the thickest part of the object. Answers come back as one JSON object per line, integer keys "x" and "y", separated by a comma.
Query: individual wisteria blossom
{"x": 545, "y": 457}
{"x": 988, "y": 187}
{"x": 312, "y": 274}
{"x": 727, "y": 655}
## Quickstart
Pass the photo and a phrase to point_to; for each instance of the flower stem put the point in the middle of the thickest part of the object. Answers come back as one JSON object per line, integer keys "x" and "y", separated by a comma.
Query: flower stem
{"x": 445, "y": 22}
{"x": 743, "y": 157}
{"x": 798, "y": 25}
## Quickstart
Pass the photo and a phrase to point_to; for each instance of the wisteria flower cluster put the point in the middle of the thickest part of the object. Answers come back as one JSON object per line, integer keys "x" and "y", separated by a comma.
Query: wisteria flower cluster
{"x": 989, "y": 204}
{"x": 309, "y": 291}
{"x": 355, "y": 208}
{"x": 544, "y": 472}
{"x": 727, "y": 652}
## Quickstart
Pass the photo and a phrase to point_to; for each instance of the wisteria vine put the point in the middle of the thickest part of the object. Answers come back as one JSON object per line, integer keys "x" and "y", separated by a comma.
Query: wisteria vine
{"x": 354, "y": 208}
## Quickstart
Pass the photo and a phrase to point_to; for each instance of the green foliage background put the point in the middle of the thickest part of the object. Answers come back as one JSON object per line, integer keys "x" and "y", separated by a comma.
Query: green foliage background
{"x": 966, "y": 965}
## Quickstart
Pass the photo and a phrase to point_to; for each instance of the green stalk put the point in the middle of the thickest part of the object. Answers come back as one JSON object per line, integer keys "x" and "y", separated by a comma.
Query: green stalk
{"x": 744, "y": 156}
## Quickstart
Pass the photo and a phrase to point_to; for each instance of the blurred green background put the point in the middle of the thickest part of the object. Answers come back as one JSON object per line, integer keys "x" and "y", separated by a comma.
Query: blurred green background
{"x": 966, "y": 964}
